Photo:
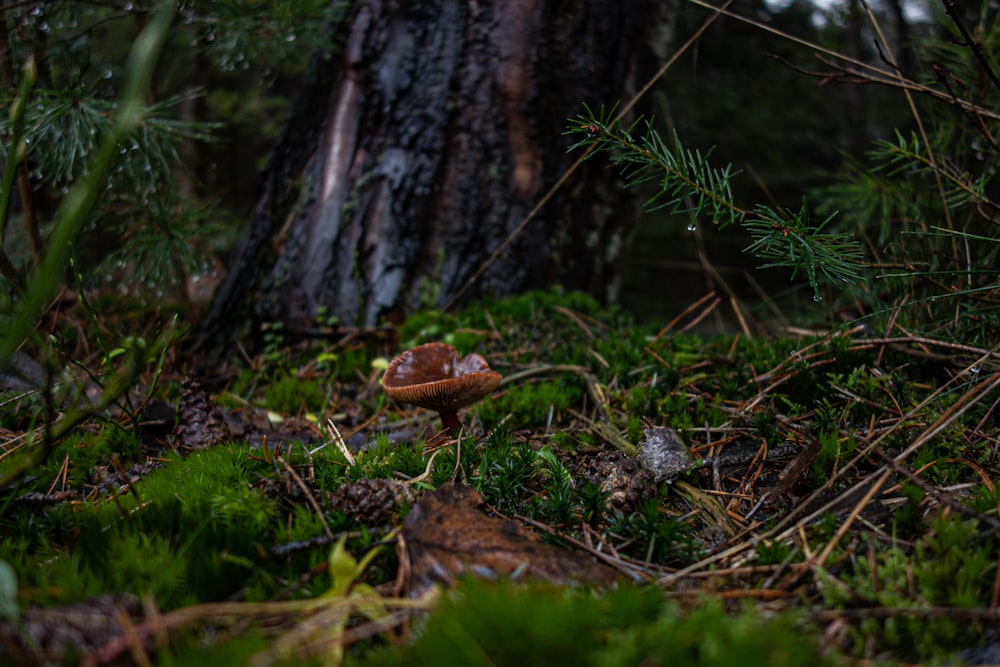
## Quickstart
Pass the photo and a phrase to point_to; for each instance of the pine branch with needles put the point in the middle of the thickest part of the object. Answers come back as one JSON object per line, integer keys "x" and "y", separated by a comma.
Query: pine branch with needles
{"x": 688, "y": 184}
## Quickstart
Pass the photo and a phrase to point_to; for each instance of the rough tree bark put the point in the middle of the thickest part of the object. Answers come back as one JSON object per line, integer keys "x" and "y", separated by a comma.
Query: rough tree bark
{"x": 413, "y": 153}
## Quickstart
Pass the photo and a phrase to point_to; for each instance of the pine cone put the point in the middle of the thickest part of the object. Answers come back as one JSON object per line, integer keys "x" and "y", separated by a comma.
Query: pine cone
{"x": 73, "y": 630}
{"x": 371, "y": 502}
{"x": 200, "y": 424}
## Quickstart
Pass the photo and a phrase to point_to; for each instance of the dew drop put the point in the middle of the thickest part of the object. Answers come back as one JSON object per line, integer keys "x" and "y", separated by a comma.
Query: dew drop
{"x": 692, "y": 227}
{"x": 817, "y": 297}
{"x": 127, "y": 6}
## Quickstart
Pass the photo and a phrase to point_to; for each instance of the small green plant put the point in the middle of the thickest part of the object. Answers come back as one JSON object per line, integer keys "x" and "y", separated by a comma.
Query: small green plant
{"x": 387, "y": 459}
{"x": 506, "y": 474}
{"x": 950, "y": 567}
{"x": 659, "y": 536}
{"x": 274, "y": 339}
{"x": 833, "y": 450}
{"x": 926, "y": 197}
{"x": 49, "y": 263}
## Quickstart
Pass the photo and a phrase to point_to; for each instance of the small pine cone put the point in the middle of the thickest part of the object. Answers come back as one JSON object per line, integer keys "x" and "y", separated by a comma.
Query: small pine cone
{"x": 371, "y": 502}
{"x": 200, "y": 424}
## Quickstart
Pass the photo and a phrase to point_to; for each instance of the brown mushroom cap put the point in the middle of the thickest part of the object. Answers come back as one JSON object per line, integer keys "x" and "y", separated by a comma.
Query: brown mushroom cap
{"x": 435, "y": 377}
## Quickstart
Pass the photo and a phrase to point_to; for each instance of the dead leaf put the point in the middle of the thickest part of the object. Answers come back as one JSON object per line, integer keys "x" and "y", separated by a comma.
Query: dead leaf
{"x": 447, "y": 534}
{"x": 664, "y": 454}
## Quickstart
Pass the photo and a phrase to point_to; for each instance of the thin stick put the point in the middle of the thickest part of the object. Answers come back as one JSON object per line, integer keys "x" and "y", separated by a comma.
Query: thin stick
{"x": 687, "y": 311}
{"x": 735, "y": 305}
{"x": 709, "y": 309}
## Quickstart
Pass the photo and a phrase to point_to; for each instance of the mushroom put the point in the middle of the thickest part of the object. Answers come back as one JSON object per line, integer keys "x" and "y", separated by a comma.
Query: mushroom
{"x": 435, "y": 377}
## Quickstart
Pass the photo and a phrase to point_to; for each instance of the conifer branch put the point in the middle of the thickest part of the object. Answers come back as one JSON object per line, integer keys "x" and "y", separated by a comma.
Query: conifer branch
{"x": 688, "y": 184}
{"x": 910, "y": 156}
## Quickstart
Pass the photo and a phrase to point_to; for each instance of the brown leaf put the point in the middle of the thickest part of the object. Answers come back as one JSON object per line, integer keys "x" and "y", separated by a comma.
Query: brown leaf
{"x": 447, "y": 534}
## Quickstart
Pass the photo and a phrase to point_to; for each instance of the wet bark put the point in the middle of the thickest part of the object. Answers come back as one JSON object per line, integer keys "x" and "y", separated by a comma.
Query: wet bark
{"x": 412, "y": 154}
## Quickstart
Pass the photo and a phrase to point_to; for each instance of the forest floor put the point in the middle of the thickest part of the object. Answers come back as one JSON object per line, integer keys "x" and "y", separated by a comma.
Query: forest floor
{"x": 630, "y": 494}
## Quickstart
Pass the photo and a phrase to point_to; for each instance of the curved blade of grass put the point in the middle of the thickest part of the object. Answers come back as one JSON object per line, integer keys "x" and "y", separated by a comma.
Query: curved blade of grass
{"x": 74, "y": 208}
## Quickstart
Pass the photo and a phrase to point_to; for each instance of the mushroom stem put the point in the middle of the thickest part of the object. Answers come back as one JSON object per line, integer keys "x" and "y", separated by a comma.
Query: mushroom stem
{"x": 451, "y": 423}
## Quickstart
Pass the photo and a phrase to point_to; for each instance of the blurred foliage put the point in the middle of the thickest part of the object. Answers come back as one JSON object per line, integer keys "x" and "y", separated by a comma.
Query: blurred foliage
{"x": 925, "y": 197}
{"x": 883, "y": 118}
{"x": 172, "y": 198}
{"x": 502, "y": 624}
{"x": 773, "y": 109}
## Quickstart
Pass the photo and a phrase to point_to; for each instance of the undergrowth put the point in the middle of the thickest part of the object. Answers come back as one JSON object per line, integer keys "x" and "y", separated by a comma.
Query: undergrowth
{"x": 231, "y": 522}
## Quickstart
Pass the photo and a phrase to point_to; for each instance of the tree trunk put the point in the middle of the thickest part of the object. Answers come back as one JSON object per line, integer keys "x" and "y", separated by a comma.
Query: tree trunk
{"x": 412, "y": 154}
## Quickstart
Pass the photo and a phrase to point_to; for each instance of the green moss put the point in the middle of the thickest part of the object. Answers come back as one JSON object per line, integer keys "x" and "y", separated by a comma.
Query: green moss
{"x": 426, "y": 326}
{"x": 84, "y": 453}
{"x": 386, "y": 459}
{"x": 506, "y": 471}
{"x": 953, "y": 565}
{"x": 533, "y": 402}
{"x": 503, "y": 624}
{"x": 660, "y": 538}
{"x": 288, "y": 393}
{"x": 200, "y": 522}
{"x": 120, "y": 441}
